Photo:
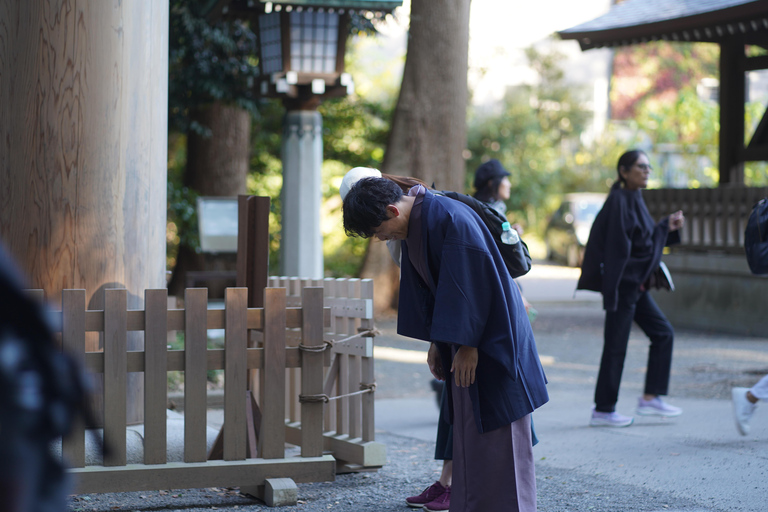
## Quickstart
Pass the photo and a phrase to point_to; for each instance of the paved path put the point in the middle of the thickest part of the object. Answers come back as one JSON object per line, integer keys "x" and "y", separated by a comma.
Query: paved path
{"x": 698, "y": 456}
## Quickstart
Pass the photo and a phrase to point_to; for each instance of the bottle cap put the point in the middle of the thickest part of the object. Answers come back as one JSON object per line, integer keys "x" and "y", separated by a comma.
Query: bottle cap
{"x": 506, "y": 227}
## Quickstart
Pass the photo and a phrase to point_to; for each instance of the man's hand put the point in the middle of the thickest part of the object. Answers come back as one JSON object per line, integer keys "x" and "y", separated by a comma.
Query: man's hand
{"x": 435, "y": 365}
{"x": 464, "y": 365}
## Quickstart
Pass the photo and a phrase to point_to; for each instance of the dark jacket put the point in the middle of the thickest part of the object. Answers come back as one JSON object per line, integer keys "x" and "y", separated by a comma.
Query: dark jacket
{"x": 621, "y": 227}
{"x": 471, "y": 300}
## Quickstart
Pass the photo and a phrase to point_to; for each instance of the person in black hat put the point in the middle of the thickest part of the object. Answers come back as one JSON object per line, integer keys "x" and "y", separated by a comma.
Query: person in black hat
{"x": 492, "y": 185}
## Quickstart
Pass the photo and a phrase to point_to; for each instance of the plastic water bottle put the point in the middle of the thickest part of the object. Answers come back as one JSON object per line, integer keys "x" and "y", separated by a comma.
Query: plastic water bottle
{"x": 509, "y": 236}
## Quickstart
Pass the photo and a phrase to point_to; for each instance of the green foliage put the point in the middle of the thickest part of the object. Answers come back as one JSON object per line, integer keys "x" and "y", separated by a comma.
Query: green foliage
{"x": 181, "y": 223}
{"x": 656, "y": 71}
{"x": 533, "y": 137}
{"x": 208, "y": 62}
{"x": 354, "y": 135}
{"x": 689, "y": 127}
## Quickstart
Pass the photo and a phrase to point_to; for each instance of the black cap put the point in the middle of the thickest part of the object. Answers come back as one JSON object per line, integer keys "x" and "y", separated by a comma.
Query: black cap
{"x": 488, "y": 171}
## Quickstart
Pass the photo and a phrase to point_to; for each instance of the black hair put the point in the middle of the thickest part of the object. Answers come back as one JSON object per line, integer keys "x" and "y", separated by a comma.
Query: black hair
{"x": 627, "y": 160}
{"x": 365, "y": 206}
{"x": 490, "y": 190}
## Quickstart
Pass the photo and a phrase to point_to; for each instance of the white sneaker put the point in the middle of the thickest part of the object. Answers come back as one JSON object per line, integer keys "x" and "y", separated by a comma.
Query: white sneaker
{"x": 609, "y": 419}
{"x": 657, "y": 407}
{"x": 742, "y": 409}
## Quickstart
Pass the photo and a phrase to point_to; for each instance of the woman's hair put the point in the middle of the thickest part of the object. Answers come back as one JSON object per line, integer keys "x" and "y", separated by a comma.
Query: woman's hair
{"x": 365, "y": 206}
{"x": 490, "y": 190}
{"x": 404, "y": 182}
{"x": 626, "y": 161}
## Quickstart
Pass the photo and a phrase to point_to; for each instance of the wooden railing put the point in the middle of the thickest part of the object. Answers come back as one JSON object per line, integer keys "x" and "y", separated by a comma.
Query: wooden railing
{"x": 715, "y": 217}
{"x": 250, "y": 455}
{"x": 349, "y": 426}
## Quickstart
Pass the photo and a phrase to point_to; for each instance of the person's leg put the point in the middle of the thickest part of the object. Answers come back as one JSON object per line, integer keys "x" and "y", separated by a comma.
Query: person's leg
{"x": 744, "y": 403}
{"x": 446, "y": 475}
{"x": 616, "y": 336}
{"x": 444, "y": 441}
{"x": 658, "y": 329}
{"x": 759, "y": 391}
{"x": 444, "y": 452}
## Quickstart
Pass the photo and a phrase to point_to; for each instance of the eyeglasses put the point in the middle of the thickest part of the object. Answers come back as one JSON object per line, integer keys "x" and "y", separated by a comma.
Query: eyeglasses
{"x": 645, "y": 167}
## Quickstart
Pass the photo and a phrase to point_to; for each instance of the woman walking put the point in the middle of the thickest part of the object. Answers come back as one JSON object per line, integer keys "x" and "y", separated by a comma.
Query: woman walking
{"x": 623, "y": 250}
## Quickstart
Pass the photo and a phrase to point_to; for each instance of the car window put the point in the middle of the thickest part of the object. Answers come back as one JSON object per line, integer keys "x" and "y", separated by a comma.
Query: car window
{"x": 586, "y": 211}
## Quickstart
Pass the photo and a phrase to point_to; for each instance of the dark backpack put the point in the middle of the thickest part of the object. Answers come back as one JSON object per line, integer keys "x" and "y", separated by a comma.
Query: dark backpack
{"x": 756, "y": 238}
{"x": 43, "y": 394}
{"x": 515, "y": 256}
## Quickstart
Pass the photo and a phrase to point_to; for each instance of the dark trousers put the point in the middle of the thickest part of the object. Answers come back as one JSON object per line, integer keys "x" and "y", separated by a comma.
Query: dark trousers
{"x": 640, "y": 307}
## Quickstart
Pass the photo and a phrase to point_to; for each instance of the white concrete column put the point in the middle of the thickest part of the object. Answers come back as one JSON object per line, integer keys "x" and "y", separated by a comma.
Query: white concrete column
{"x": 302, "y": 153}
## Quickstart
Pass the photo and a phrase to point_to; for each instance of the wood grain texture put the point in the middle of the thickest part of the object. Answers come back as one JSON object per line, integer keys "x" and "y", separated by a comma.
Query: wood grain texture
{"x": 272, "y": 439}
{"x": 155, "y": 376}
{"x": 73, "y": 342}
{"x": 368, "y": 373}
{"x": 115, "y": 368}
{"x": 208, "y": 474}
{"x": 83, "y": 147}
{"x": 312, "y": 372}
{"x": 355, "y": 402}
{"x": 235, "y": 373}
{"x": 195, "y": 368}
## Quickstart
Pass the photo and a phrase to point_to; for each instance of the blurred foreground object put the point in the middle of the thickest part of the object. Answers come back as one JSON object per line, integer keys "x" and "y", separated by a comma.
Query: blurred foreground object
{"x": 43, "y": 392}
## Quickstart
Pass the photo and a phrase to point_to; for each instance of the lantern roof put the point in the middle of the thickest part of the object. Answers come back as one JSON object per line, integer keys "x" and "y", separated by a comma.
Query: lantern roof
{"x": 368, "y": 5}
{"x": 639, "y": 21}
{"x": 214, "y": 7}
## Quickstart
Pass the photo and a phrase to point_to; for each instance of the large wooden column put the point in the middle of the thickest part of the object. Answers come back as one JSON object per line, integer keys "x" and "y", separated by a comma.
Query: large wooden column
{"x": 83, "y": 146}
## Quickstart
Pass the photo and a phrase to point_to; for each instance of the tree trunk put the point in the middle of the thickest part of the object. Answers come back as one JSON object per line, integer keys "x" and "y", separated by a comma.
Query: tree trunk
{"x": 429, "y": 131}
{"x": 217, "y": 165}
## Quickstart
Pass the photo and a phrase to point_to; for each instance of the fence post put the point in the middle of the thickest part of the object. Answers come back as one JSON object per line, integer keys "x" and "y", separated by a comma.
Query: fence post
{"x": 195, "y": 374}
{"x": 368, "y": 375}
{"x": 272, "y": 438}
{"x": 155, "y": 376}
{"x": 73, "y": 342}
{"x": 116, "y": 366}
{"x": 312, "y": 371}
{"x": 355, "y": 402}
{"x": 235, "y": 372}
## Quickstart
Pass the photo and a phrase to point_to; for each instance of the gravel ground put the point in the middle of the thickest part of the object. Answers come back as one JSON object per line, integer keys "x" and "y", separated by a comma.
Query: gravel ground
{"x": 406, "y": 473}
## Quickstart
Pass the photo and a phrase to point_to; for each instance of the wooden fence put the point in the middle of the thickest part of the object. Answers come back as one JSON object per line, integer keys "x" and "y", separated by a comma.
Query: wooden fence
{"x": 715, "y": 217}
{"x": 253, "y": 448}
{"x": 349, "y": 426}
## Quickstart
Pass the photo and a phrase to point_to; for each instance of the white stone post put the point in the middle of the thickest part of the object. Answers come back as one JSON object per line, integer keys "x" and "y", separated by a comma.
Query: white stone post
{"x": 302, "y": 153}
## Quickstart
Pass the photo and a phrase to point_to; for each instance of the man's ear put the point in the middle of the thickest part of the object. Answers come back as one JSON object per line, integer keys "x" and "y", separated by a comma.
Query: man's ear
{"x": 394, "y": 210}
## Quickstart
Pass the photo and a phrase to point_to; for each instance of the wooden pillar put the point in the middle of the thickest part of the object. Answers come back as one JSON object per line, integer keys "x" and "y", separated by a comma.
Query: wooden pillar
{"x": 83, "y": 148}
{"x": 732, "y": 97}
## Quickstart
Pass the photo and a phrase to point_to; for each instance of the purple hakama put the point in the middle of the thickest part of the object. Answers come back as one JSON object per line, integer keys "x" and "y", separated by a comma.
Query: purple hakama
{"x": 494, "y": 471}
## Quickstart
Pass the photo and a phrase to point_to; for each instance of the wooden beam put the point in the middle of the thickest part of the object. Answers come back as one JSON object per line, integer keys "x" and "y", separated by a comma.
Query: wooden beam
{"x": 732, "y": 97}
{"x": 253, "y": 247}
{"x": 755, "y": 153}
{"x": 213, "y": 473}
{"x": 760, "y": 137}
{"x": 756, "y": 63}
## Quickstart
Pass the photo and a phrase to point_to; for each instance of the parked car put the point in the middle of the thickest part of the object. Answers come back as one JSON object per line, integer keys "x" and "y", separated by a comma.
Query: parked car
{"x": 568, "y": 229}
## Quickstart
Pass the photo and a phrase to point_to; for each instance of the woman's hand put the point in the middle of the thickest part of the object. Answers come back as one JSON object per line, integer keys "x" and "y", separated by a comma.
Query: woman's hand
{"x": 464, "y": 365}
{"x": 676, "y": 220}
{"x": 433, "y": 360}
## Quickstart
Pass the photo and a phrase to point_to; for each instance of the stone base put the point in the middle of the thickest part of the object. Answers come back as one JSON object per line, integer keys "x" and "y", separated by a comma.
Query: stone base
{"x": 715, "y": 292}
